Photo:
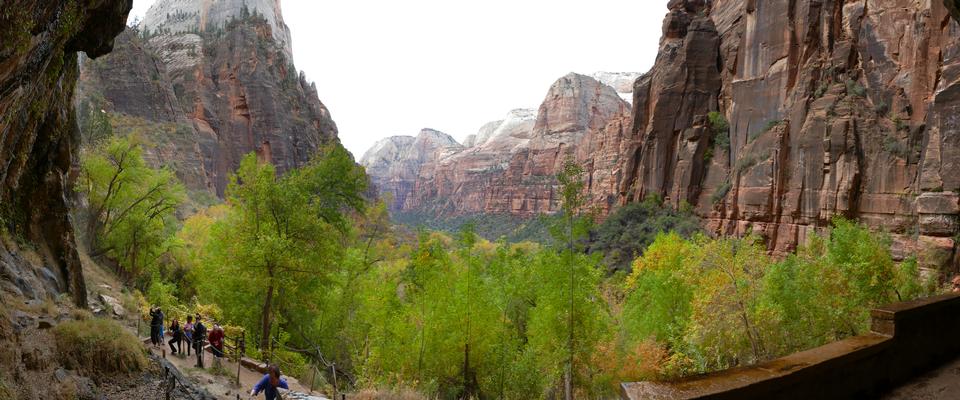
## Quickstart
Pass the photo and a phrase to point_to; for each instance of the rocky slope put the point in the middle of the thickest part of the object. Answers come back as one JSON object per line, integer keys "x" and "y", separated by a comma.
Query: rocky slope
{"x": 204, "y": 84}
{"x": 832, "y": 108}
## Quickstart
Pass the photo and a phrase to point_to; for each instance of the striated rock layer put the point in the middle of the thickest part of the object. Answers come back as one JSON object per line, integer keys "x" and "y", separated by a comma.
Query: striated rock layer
{"x": 39, "y": 41}
{"x": 202, "y": 99}
{"x": 834, "y": 107}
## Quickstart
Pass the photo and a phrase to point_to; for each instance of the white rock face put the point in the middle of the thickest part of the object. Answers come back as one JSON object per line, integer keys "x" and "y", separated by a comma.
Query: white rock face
{"x": 507, "y": 134}
{"x": 622, "y": 82}
{"x": 185, "y": 16}
{"x": 394, "y": 163}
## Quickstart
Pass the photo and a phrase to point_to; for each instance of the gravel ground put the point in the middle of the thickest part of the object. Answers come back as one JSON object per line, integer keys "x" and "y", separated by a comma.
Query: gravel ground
{"x": 146, "y": 385}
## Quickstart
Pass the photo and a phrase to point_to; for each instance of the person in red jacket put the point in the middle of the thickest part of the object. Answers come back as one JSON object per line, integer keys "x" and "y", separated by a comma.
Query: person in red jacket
{"x": 216, "y": 340}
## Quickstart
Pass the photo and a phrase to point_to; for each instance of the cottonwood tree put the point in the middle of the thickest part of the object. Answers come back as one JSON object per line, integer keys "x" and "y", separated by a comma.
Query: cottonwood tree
{"x": 129, "y": 206}
{"x": 568, "y": 318}
{"x": 280, "y": 238}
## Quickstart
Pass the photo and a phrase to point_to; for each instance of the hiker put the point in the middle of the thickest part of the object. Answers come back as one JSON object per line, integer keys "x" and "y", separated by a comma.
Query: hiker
{"x": 269, "y": 383}
{"x": 177, "y": 337}
{"x": 188, "y": 333}
{"x": 199, "y": 335}
{"x": 156, "y": 322}
{"x": 216, "y": 340}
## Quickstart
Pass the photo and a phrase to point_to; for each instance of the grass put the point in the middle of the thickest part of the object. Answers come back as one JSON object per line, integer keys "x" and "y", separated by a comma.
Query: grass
{"x": 5, "y": 391}
{"x": 98, "y": 345}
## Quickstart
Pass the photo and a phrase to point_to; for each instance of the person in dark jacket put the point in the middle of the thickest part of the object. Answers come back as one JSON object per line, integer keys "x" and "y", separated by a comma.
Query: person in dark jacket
{"x": 269, "y": 384}
{"x": 177, "y": 334}
{"x": 156, "y": 322}
{"x": 199, "y": 337}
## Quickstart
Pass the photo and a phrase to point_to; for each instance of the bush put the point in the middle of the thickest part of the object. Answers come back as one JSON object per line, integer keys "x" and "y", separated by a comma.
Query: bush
{"x": 98, "y": 345}
{"x": 893, "y": 146}
{"x": 5, "y": 391}
{"x": 770, "y": 125}
{"x": 855, "y": 89}
{"x": 626, "y": 234}
{"x": 721, "y": 192}
{"x": 721, "y": 130}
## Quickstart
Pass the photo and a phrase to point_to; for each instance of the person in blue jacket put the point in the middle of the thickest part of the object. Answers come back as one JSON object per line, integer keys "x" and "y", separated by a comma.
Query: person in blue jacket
{"x": 269, "y": 383}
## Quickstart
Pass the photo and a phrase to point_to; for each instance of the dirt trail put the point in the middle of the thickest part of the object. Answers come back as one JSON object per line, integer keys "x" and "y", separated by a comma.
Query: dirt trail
{"x": 220, "y": 382}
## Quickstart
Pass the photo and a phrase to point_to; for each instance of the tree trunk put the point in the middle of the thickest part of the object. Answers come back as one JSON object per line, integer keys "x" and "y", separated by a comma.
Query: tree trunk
{"x": 265, "y": 319}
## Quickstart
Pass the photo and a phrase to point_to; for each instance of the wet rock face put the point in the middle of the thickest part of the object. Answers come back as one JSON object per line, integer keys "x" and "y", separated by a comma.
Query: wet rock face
{"x": 835, "y": 108}
{"x": 205, "y": 98}
{"x": 39, "y": 41}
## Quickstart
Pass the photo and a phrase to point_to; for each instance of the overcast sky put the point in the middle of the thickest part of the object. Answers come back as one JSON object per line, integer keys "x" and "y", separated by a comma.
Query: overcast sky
{"x": 388, "y": 67}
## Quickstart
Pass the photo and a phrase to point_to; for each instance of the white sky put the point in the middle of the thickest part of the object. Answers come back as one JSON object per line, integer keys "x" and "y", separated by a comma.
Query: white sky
{"x": 388, "y": 67}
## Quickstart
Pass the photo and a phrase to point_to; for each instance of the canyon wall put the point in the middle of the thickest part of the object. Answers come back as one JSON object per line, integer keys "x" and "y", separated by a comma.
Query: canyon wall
{"x": 204, "y": 83}
{"x": 39, "y": 42}
{"x": 834, "y": 107}
{"x": 765, "y": 116}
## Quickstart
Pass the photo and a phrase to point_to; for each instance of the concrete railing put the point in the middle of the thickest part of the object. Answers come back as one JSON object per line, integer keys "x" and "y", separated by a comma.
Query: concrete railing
{"x": 907, "y": 339}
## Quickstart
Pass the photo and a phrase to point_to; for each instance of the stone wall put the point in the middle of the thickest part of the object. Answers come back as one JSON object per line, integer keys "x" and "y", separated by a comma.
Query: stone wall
{"x": 907, "y": 339}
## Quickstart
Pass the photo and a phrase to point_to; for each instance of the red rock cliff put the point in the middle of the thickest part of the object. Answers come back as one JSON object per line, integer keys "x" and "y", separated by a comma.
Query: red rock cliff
{"x": 204, "y": 95}
{"x": 834, "y": 108}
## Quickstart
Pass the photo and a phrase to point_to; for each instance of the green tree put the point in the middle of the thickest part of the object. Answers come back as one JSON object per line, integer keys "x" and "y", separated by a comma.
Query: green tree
{"x": 280, "y": 237}
{"x": 568, "y": 299}
{"x": 627, "y": 232}
{"x": 130, "y": 207}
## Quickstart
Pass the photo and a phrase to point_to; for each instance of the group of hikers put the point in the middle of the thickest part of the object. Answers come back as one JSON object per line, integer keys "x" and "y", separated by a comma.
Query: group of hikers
{"x": 193, "y": 333}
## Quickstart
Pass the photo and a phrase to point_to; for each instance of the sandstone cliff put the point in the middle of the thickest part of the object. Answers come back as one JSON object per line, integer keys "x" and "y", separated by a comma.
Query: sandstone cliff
{"x": 39, "y": 41}
{"x": 204, "y": 84}
{"x": 509, "y": 166}
{"x": 394, "y": 163}
{"x": 834, "y": 108}
{"x": 819, "y": 108}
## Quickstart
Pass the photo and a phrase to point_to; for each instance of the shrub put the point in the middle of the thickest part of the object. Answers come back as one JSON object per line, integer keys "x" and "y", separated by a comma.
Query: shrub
{"x": 821, "y": 90}
{"x": 721, "y": 130}
{"x": 770, "y": 125}
{"x": 631, "y": 228}
{"x": 855, "y": 89}
{"x": 721, "y": 192}
{"x": 5, "y": 391}
{"x": 98, "y": 345}
{"x": 881, "y": 107}
{"x": 893, "y": 146}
